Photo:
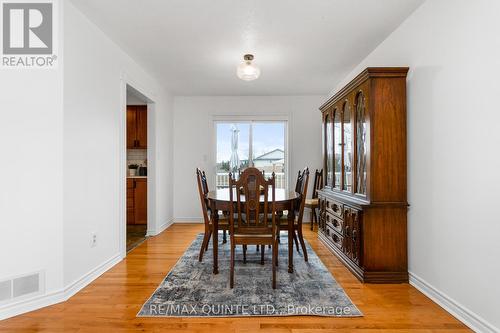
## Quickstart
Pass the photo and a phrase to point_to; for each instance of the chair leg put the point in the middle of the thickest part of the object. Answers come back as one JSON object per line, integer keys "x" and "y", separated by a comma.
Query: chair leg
{"x": 312, "y": 218}
{"x": 244, "y": 254}
{"x": 231, "y": 273}
{"x": 296, "y": 242}
{"x": 302, "y": 243}
{"x": 274, "y": 265}
{"x": 203, "y": 246}
{"x": 208, "y": 240}
{"x": 277, "y": 251}
{"x": 263, "y": 249}
{"x": 224, "y": 239}
{"x": 315, "y": 216}
{"x": 258, "y": 247}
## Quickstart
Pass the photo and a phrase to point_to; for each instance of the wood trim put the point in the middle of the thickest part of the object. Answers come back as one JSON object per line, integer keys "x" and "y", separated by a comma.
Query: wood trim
{"x": 386, "y": 277}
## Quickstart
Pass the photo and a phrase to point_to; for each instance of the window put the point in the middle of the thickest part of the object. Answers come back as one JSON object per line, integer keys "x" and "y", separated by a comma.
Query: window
{"x": 261, "y": 144}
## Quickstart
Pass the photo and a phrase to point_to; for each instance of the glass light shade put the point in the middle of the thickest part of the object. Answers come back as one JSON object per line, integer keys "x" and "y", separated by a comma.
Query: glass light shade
{"x": 248, "y": 71}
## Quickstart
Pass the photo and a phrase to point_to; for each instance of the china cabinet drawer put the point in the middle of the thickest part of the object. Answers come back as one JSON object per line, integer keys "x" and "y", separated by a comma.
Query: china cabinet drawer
{"x": 335, "y": 238}
{"x": 334, "y": 207}
{"x": 335, "y": 223}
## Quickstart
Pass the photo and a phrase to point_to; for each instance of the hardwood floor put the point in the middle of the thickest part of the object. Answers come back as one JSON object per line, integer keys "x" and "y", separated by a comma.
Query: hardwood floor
{"x": 111, "y": 302}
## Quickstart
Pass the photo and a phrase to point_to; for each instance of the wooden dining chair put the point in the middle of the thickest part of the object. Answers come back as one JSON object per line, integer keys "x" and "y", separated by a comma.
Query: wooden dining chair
{"x": 252, "y": 221}
{"x": 207, "y": 216}
{"x": 301, "y": 188}
{"x": 298, "y": 182}
{"x": 313, "y": 203}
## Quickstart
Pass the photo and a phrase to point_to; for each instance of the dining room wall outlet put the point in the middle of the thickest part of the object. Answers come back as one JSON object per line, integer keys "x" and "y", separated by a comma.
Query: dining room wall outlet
{"x": 93, "y": 239}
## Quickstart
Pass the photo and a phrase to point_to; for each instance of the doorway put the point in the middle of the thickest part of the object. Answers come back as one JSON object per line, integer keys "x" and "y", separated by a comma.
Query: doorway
{"x": 137, "y": 152}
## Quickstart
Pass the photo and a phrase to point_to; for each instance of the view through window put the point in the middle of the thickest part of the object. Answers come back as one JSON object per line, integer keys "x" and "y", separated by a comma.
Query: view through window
{"x": 251, "y": 143}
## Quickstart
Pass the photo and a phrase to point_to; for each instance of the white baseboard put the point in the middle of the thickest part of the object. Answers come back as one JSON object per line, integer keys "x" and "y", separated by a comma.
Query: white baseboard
{"x": 58, "y": 296}
{"x": 31, "y": 304}
{"x": 466, "y": 316}
{"x": 160, "y": 229}
{"x": 85, "y": 280}
{"x": 188, "y": 220}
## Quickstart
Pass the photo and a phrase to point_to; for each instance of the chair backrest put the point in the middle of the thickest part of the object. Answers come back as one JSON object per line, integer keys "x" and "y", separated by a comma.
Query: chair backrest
{"x": 302, "y": 189}
{"x": 239, "y": 173}
{"x": 203, "y": 190}
{"x": 298, "y": 182}
{"x": 253, "y": 215}
{"x": 204, "y": 182}
{"x": 318, "y": 182}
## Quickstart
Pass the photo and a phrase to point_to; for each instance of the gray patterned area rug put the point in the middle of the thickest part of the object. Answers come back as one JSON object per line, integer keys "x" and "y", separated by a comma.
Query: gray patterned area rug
{"x": 191, "y": 290}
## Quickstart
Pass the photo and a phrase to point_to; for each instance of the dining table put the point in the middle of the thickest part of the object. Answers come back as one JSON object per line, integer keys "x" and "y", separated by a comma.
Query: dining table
{"x": 219, "y": 200}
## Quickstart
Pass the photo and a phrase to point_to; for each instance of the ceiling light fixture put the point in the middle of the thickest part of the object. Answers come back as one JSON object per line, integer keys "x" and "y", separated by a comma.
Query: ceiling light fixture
{"x": 246, "y": 70}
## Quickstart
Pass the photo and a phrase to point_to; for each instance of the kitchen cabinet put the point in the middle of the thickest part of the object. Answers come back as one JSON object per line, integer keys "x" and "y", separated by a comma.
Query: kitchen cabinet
{"x": 137, "y": 207}
{"x": 137, "y": 127}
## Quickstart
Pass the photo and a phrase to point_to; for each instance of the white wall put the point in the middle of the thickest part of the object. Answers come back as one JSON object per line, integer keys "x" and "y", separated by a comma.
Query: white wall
{"x": 31, "y": 191}
{"x": 31, "y": 169}
{"x": 194, "y": 139}
{"x": 93, "y": 97}
{"x": 453, "y": 51}
{"x": 134, "y": 100}
{"x": 61, "y": 132}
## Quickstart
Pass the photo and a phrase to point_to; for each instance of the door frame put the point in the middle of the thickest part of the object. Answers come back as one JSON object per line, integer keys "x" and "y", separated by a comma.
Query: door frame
{"x": 125, "y": 81}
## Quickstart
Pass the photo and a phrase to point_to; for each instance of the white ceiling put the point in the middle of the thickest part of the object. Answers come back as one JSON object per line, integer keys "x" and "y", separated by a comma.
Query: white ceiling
{"x": 302, "y": 46}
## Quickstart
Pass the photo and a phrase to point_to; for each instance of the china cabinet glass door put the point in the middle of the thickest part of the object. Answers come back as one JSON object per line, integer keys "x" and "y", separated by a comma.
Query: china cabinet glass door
{"x": 329, "y": 150}
{"x": 347, "y": 131}
{"x": 360, "y": 145}
{"x": 337, "y": 143}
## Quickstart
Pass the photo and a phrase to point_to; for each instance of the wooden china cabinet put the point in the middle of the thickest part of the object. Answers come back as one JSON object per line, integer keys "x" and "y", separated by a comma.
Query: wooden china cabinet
{"x": 363, "y": 204}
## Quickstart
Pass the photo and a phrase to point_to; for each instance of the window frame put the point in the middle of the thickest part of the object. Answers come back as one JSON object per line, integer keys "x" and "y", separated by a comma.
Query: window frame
{"x": 252, "y": 119}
